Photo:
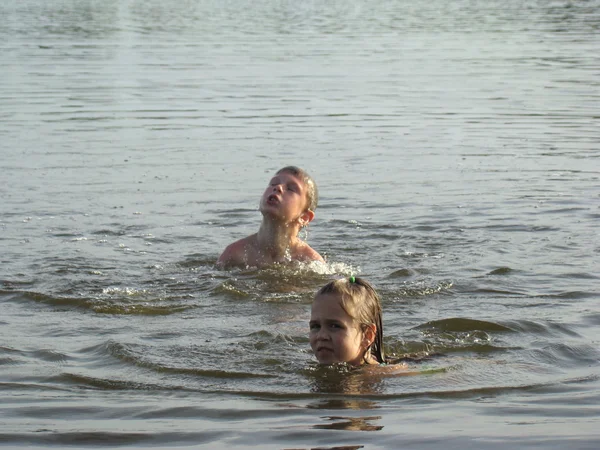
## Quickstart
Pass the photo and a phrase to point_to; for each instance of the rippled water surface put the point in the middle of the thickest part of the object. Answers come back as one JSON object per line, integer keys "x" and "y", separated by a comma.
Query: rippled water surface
{"x": 456, "y": 150}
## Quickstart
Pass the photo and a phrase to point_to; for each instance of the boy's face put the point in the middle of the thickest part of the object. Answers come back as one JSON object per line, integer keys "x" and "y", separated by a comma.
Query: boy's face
{"x": 285, "y": 197}
{"x": 334, "y": 336}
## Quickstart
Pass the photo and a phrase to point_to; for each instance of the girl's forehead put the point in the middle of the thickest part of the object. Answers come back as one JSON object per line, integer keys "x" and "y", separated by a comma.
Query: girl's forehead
{"x": 328, "y": 304}
{"x": 327, "y": 298}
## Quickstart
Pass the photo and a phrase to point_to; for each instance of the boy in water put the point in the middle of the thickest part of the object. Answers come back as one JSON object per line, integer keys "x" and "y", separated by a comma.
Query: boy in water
{"x": 287, "y": 205}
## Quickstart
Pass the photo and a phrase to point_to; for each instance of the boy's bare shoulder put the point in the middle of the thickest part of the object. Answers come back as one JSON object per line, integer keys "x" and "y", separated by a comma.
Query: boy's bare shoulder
{"x": 236, "y": 253}
{"x": 306, "y": 253}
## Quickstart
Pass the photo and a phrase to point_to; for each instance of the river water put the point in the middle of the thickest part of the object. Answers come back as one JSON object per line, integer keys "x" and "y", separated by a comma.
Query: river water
{"x": 456, "y": 149}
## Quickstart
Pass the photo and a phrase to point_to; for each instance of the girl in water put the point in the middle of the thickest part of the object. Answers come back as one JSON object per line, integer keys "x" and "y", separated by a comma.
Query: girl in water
{"x": 346, "y": 324}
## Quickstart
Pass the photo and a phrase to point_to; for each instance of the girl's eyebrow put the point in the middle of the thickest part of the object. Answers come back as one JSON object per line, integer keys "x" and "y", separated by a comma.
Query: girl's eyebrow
{"x": 333, "y": 321}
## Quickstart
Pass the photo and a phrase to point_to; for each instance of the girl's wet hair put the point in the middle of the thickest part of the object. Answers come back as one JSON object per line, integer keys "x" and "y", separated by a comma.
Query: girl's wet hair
{"x": 312, "y": 193}
{"x": 360, "y": 301}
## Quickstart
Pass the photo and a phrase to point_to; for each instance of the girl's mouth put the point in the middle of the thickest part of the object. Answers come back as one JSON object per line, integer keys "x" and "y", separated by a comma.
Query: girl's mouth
{"x": 323, "y": 349}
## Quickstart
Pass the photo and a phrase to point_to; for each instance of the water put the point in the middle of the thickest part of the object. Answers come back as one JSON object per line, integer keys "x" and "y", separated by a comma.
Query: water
{"x": 455, "y": 146}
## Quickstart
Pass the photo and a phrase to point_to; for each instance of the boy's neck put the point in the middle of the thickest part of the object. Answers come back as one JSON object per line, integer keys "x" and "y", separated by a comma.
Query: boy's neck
{"x": 276, "y": 238}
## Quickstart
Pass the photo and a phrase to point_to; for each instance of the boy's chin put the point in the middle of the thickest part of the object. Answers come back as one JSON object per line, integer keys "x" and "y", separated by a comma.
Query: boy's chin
{"x": 267, "y": 208}
{"x": 273, "y": 213}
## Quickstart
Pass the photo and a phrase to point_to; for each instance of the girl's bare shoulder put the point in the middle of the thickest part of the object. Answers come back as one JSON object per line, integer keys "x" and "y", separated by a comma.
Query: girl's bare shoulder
{"x": 398, "y": 369}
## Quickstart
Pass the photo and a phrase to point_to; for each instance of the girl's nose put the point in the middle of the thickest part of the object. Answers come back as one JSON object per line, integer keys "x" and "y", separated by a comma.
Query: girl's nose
{"x": 322, "y": 335}
{"x": 277, "y": 188}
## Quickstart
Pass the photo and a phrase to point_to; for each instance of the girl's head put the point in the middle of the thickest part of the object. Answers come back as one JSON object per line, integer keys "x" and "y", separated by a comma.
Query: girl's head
{"x": 312, "y": 193}
{"x": 346, "y": 324}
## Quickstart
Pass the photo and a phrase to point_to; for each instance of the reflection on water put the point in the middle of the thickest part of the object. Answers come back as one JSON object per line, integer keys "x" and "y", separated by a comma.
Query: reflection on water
{"x": 342, "y": 379}
{"x": 350, "y": 423}
{"x": 343, "y": 403}
{"x": 337, "y": 447}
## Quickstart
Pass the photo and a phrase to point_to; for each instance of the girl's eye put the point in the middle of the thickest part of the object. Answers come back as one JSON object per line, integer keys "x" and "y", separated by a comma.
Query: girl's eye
{"x": 335, "y": 326}
{"x": 314, "y": 326}
{"x": 291, "y": 188}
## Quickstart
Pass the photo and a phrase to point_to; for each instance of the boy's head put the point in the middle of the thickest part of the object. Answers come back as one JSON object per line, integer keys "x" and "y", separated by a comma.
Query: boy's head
{"x": 312, "y": 193}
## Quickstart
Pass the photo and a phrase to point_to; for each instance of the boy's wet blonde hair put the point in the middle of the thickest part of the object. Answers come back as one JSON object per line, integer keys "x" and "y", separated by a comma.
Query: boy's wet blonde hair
{"x": 312, "y": 193}
{"x": 360, "y": 301}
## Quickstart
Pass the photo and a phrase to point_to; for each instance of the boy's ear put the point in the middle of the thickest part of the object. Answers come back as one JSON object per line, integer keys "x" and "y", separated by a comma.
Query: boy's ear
{"x": 306, "y": 217}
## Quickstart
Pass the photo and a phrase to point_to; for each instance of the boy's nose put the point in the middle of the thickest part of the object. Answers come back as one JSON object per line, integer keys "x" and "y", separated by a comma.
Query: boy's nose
{"x": 278, "y": 188}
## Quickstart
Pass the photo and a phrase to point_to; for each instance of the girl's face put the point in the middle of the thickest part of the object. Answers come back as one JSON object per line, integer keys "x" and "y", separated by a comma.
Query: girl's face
{"x": 335, "y": 337}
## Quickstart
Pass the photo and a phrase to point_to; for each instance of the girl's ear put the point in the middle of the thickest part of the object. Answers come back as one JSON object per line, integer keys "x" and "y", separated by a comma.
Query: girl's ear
{"x": 369, "y": 334}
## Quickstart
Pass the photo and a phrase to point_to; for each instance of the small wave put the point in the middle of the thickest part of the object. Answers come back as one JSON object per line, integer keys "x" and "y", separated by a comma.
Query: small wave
{"x": 54, "y": 299}
{"x": 501, "y": 271}
{"x": 263, "y": 340}
{"x": 567, "y": 355}
{"x": 460, "y": 335}
{"x": 331, "y": 268}
{"x": 579, "y": 276}
{"x": 485, "y": 291}
{"x": 9, "y": 362}
{"x": 462, "y": 325}
{"x": 541, "y": 328}
{"x": 592, "y": 319}
{"x": 139, "y": 309}
{"x": 209, "y": 373}
{"x": 125, "y": 354}
{"x": 9, "y": 286}
{"x": 198, "y": 260}
{"x": 300, "y": 268}
{"x": 50, "y": 356}
{"x": 17, "y": 357}
{"x": 129, "y": 292}
{"x": 294, "y": 282}
{"x": 404, "y": 273}
{"x": 108, "y": 384}
{"x": 229, "y": 290}
{"x": 311, "y": 272}
{"x": 27, "y": 386}
{"x": 444, "y": 344}
{"x": 421, "y": 289}
{"x": 127, "y": 300}
{"x": 574, "y": 295}
{"x": 119, "y": 302}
